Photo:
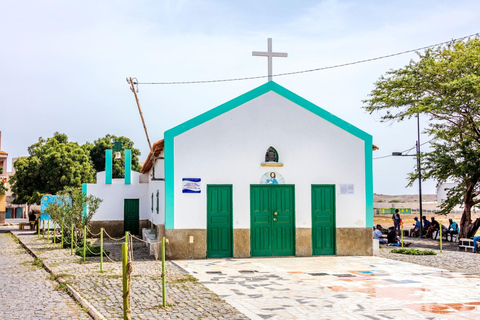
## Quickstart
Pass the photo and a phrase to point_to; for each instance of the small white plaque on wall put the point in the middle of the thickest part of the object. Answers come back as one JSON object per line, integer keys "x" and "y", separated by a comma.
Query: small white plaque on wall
{"x": 191, "y": 185}
{"x": 347, "y": 189}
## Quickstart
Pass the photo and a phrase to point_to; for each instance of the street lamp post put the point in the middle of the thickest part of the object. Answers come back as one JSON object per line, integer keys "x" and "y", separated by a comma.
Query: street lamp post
{"x": 419, "y": 168}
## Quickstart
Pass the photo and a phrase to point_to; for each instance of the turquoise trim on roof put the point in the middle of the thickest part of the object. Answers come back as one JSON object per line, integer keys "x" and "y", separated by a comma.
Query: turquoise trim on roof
{"x": 240, "y": 100}
{"x": 128, "y": 166}
{"x": 108, "y": 166}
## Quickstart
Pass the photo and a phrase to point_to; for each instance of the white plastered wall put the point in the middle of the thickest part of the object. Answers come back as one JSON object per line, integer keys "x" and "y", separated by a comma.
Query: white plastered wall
{"x": 230, "y": 148}
{"x": 113, "y": 195}
{"x": 156, "y": 185}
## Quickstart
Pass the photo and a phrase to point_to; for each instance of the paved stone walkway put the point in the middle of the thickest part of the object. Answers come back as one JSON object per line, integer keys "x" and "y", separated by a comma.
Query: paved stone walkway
{"x": 275, "y": 288}
{"x": 339, "y": 288}
{"x": 186, "y": 297}
{"x": 26, "y": 292}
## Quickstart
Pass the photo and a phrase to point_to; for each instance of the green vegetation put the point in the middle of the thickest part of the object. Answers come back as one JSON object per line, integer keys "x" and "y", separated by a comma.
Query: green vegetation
{"x": 3, "y": 188}
{"x": 69, "y": 210}
{"x": 414, "y": 252}
{"x": 443, "y": 85}
{"x": 97, "y": 154}
{"x": 37, "y": 263}
{"x": 187, "y": 278}
{"x": 54, "y": 163}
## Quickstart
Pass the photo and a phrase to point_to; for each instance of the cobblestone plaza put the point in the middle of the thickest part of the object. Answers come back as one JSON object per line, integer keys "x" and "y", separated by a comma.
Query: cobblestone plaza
{"x": 262, "y": 288}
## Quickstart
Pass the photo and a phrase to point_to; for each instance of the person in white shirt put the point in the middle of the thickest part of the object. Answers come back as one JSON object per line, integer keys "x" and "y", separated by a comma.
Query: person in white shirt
{"x": 377, "y": 234}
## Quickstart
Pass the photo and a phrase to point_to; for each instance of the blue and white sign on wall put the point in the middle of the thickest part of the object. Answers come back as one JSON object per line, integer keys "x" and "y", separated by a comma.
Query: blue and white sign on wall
{"x": 191, "y": 185}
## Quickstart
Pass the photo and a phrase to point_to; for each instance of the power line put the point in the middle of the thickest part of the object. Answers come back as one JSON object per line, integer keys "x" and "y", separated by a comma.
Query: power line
{"x": 312, "y": 70}
{"x": 408, "y": 150}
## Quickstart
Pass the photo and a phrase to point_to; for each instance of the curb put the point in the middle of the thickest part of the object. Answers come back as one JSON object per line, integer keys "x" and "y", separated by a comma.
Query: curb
{"x": 92, "y": 311}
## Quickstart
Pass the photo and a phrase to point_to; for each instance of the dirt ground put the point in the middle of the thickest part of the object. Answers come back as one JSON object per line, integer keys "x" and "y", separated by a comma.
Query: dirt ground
{"x": 411, "y": 201}
{"x": 386, "y": 219}
{"x": 404, "y": 198}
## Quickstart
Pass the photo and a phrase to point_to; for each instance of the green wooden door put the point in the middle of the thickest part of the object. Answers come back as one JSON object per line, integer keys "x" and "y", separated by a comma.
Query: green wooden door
{"x": 272, "y": 220}
{"x": 219, "y": 221}
{"x": 323, "y": 220}
{"x": 131, "y": 217}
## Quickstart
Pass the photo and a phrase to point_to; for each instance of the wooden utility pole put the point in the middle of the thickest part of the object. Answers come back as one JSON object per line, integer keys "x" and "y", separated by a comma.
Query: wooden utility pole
{"x": 132, "y": 87}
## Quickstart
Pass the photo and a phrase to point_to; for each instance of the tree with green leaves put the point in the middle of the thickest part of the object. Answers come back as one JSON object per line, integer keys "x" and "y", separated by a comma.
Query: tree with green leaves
{"x": 54, "y": 163}
{"x": 68, "y": 210}
{"x": 443, "y": 84}
{"x": 3, "y": 188}
{"x": 97, "y": 154}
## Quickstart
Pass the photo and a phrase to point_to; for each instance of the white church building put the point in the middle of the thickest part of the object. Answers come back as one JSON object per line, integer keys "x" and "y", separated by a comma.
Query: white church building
{"x": 265, "y": 174}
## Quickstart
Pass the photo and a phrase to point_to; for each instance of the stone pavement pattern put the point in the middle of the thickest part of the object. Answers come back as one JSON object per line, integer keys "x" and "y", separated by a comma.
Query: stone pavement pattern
{"x": 451, "y": 258}
{"x": 26, "y": 292}
{"x": 186, "y": 297}
{"x": 339, "y": 288}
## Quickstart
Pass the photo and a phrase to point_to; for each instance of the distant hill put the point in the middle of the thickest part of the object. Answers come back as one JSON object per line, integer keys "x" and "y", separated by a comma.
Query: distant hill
{"x": 403, "y": 198}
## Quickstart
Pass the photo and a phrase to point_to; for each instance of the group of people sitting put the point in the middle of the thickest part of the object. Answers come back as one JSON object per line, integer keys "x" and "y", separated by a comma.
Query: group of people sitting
{"x": 390, "y": 238}
{"x": 429, "y": 228}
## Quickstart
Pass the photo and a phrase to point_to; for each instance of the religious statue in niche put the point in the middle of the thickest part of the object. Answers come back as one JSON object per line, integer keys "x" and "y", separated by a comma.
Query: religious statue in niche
{"x": 271, "y": 155}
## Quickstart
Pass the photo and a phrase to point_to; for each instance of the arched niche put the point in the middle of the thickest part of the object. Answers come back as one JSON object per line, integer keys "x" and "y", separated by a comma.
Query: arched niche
{"x": 271, "y": 155}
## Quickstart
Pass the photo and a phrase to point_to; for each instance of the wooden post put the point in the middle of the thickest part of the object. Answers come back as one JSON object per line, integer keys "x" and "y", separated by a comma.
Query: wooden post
{"x": 401, "y": 232}
{"x": 54, "y": 233}
{"x": 38, "y": 227}
{"x": 71, "y": 241}
{"x": 101, "y": 249}
{"x": 126, "y": 295}
{"x": 62, "y": 236}
{"x": 84, "y": 242}
{"x": 440, "y": 237}
{"x": 164, "y": 298}
{"x": 48, "y": 230}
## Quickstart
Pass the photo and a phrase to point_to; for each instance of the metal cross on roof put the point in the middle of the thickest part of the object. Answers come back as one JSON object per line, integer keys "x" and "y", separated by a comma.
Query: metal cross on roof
{"x": 270, "y": 55}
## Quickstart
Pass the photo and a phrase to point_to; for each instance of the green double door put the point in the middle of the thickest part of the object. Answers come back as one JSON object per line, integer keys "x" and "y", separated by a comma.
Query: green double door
{"x": 219, "y": 221}
{"x": 323, "y": 220}
{"x": 131, "y": 216}
{"x": 272, "y": 220}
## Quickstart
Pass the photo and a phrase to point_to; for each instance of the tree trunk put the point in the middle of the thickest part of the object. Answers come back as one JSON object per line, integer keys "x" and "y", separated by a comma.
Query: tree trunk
{"x": 468, "y": 228}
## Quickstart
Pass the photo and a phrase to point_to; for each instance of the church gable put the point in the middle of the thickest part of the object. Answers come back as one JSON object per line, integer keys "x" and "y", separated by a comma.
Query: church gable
{"x": 228, "y": 110}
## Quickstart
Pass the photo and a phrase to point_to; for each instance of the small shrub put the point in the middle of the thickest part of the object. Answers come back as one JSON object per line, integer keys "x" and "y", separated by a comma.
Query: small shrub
{"x": 415, "y": 252}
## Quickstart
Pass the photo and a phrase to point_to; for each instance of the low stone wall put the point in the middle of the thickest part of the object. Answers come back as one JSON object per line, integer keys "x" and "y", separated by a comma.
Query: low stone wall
{"x": 114, "y": 228}
{"x": 350, "y": 242}
{"x": 180, "y": 247}
{"x": 354, "y": 241}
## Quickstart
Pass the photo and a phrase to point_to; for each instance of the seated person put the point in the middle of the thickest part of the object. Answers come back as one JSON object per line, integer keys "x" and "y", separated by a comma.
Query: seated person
{"x": 377, "y": 234}
{"x": 392, "y": 235}
{"x": 452, "y": 229}
{"x": 414, "y": 232}
{"x": 426, "y": 225}
{"x": 434, "y": 226}
{"x": 475, "y": 239}
{"x": 444, "y": 231}
{"x": 32, "y": 218}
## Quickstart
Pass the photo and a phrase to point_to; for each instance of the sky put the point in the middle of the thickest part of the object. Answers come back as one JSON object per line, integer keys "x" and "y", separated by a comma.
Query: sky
{"x": 63, "y": 64}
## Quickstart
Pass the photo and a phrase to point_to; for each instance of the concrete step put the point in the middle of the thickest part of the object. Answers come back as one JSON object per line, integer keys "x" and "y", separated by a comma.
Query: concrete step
{"x": 151, "y": 240}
